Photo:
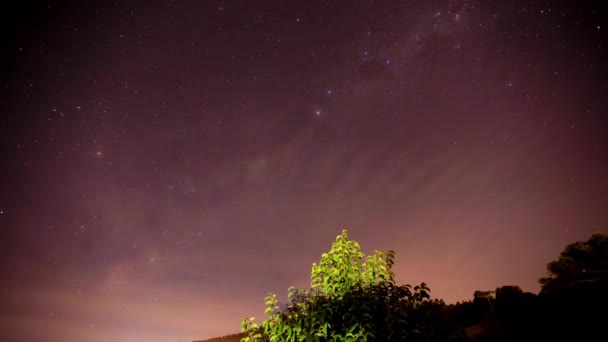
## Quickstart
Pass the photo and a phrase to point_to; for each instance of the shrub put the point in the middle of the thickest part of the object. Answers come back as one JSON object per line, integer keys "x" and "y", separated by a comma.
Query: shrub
{"x": 353, "y": 297}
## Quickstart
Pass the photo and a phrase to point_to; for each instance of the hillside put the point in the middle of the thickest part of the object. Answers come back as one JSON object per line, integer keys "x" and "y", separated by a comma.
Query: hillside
{"x": 227, "y": 338}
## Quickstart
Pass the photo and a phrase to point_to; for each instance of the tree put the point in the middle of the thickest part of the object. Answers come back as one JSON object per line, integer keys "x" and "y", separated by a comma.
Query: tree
{"x": 483, "y": 298}
{"x": 580, "y": 262}
{"x": 352, "y": 298}
{"x": 573, "y": 297}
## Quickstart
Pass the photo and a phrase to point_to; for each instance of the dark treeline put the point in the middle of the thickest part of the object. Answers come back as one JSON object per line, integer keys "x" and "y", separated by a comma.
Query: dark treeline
{"x": 577, "y": 313}
{"x": 571, "y": 306}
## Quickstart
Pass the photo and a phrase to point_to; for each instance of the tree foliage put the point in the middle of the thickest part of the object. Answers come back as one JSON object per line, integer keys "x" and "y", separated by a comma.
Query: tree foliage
{"x": 353, "y": 297}
{"x": 581, "y": 261}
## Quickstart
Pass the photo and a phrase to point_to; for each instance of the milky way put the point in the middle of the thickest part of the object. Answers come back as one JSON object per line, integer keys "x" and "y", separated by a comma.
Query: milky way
{"x": 167, "y": 163}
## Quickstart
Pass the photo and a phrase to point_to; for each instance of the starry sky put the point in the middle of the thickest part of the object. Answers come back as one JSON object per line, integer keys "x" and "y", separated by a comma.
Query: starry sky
{"x": 165, "y": 164}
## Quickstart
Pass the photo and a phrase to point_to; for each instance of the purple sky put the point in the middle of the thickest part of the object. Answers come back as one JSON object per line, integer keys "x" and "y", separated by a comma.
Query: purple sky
{"x": 167, "y": 163}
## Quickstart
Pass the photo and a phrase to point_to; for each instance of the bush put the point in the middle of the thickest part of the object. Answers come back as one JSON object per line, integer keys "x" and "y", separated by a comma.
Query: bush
{"x": 353, "y": 297}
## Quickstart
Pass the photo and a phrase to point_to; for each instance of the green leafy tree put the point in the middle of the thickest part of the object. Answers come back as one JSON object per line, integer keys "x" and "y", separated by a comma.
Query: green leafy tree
{"x": 340, "y": 269}
{"x": 352, "y": 298}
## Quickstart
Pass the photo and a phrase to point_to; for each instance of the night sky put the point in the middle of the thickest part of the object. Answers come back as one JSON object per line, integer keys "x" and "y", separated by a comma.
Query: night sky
{"x": 165, "y": 164}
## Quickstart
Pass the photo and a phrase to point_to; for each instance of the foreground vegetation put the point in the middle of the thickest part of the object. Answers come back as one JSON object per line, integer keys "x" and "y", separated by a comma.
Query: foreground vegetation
{"x": 354, "y": 297}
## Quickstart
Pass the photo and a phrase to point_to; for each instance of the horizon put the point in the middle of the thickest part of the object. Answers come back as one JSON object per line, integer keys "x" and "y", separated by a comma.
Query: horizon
{"x": 168, "y": 163}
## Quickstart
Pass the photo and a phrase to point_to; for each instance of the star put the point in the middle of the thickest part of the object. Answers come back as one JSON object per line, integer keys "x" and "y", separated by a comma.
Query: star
{"x": 230, "y": 137}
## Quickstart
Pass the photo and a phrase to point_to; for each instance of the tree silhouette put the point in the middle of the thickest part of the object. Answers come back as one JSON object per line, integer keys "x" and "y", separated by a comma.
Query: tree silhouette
{"x": 580, "y": 262}
{"x": 573, "y": 298}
